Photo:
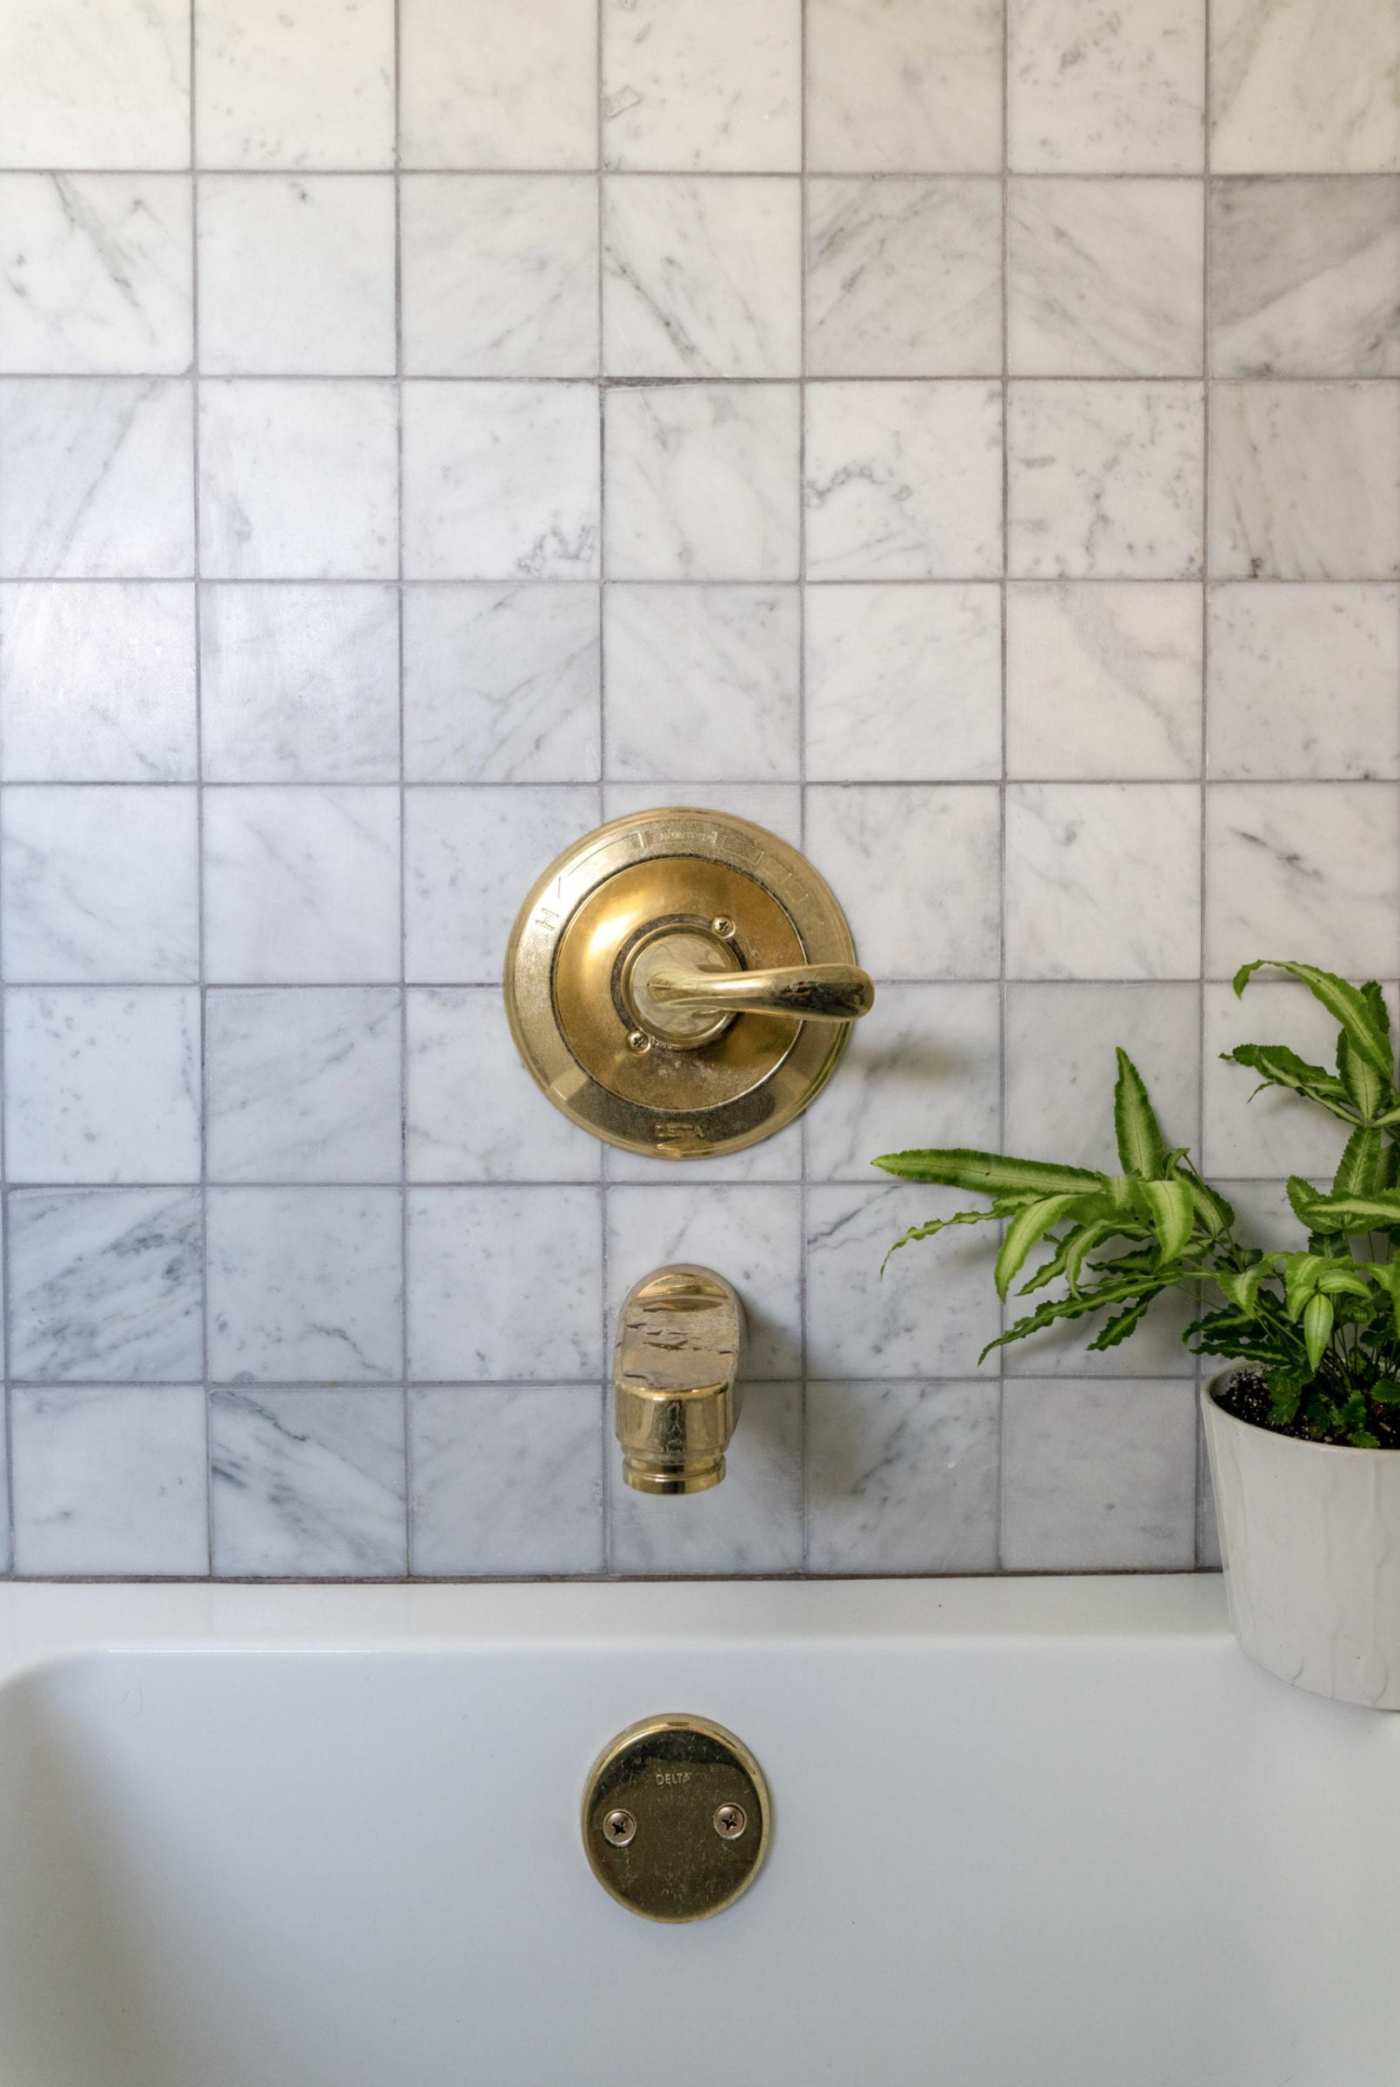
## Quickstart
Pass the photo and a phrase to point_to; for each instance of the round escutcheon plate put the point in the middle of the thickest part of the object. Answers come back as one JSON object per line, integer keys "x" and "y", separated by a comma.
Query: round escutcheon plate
{"x": 676, "y": 1818}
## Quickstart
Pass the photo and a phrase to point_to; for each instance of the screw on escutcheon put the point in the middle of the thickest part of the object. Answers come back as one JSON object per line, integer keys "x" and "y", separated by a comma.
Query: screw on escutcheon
{"x": 730, "y": 1821}
{"x": 619, "y": 1828}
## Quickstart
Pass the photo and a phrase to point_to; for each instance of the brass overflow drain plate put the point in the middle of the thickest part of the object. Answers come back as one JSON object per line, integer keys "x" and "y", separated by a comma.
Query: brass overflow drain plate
{"x": 676, "y": 1818}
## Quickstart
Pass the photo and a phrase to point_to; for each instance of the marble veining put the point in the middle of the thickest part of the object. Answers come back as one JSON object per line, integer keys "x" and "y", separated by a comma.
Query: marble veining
{"x": 1305, "y": 277}
{"x": 1134, "y": 1500}
{"x": 727, "y": 658}
{"x": 307, "y": 1484}
{"x": 301, "y": 886}
{"x": 95, "y": 478}
{"x": 105, "y": 1284}
{"x": 702, "y": 83}
{"x": 1303, "y": 482}
{"x": 95, "y": 273}
{"x": 473, "y": 1110}
{"x": 507, "y": 1479}
{"x": 300, "y": 684}
{"x": 1303, "y": 681}
{"x": 1104, "y": 278}
{"x": 903, "y": 682}
{"x": 303, "y": 1083}
{"x": 58, "y": 59}
{"x": 1307, "y": 85}
{"x": 97, "y": 682}
{"x": 1103, "y": 880}
{"x": 1095, "y": 88}
{"x": 1106, "y": 481}
{"x": 903, "y": 1477}
{"x": 700, "y": 277}
{"x": 903, "y": 481}
{"x": 701, "y": 482}
{"x": 897, "y": 85}
{"x": 500, "y": 275}
{"x": 100, "y": 886}
{"x": 505, "y": 1284}
{"x": 110, "y": 1480}
{"x": 500, "y": 481}
{"x": 305, "y": 1285}
{"x": 1324, "y": 857}
{"x": 102, "y": 1085}
{"x": 903, "y": 277}
{"x": 1103, "y": 680}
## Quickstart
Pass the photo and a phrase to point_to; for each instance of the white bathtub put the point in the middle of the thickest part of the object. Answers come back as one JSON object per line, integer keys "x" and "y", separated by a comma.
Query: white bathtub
{"x": 1045, "y": 1833}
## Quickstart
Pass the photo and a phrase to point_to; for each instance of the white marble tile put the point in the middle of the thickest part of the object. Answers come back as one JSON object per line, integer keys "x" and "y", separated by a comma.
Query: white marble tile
{"x": 1302, "y": 277}
{"x": 308, "y": 1484}
{"x": 298, "y": 480}
{"x": 1302, "y": 682}
{"x": 778, "y": 806}
{"x": 301, "y": 886}
{"x": 58, "y": 62}
{"x": 500, "y": 275}
{"x": 105, "y": 1283}
{"x": 1302, "y": 482}
{"x": 110, "y": 1480}
{"x": 702, "y": 482}
{"x": 1273, "y": 1133}
{"x": 896, "y": 85}
{"x": 917, "y": 868}
{"x": 502, "y": 683}
{"x": 97, "y": 682}
{"x": 100, "y": 886}
{"x": 474, "y": 1113}
{"x": 751, "y": 1523}
{"x": 903, "y": 481}
{"x": 1308, "y": 871}
{"x": 295, "y": 83}
{"x": 923, "y": 1069}
{"x": 500, "y": 481}
{"x": 303, "y": 1084}
{"x": 489, "y": 86}
{"x": 1103, "y": 880}
{"x": 1262, "y": 1214}
{"x": 1106, "y": 481}
{"x": 300, "y": 684}
{"x": 902, "y": 1478}
{"x": 903, "y": 682}
{"x": 1061, "y": 1069}
{"x": 1098, "y": 89}
{"x": 305, "y": 1285}
{"x": 1099, "y": 1477}
{"x": 710, "y": 85}
{"x": 95, "y": 273}
{"x": 102, "y": 1086}
{"x": 95, "y": 478}
{"x": 505, "y": 1284}
{"x": 935, "y": 1307}
{"x": 701, "y": 276}
{"x": 903, "y": 277}
{"x": 296, "y": 275}
{"x": 1104, "y": 278}
{"x": 1307, "y": 86}
{"x": 1103, "y": 680}
{"x": 702, "y": 682}
{"x": 751, "y": 1235}
{"x": 470, "y": 856}
{"x": 507, "y": 1481}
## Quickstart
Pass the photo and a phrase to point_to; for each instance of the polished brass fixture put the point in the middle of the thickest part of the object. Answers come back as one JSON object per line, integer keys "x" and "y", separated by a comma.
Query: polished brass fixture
{"x": 682, "y": 983}
{"x": 676, "y": 1818}
{"x": 676, "y": 1397}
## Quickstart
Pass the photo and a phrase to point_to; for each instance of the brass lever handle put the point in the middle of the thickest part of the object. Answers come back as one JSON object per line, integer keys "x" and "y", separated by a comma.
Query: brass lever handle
{"x": 808, "y": 992}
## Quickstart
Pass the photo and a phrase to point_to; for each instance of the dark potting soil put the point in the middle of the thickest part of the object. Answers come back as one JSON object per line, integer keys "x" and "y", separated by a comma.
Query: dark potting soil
{"x": 1246, "y": 1396}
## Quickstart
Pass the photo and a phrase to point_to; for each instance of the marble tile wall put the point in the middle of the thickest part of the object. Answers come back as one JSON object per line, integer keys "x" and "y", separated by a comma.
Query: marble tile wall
{"x": 966, "y": 441}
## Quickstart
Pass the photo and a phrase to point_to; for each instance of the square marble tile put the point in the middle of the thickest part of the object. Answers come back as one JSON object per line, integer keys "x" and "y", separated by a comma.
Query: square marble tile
{"x": 713, "y": 85}
{"x": 305, "y": 1285}
{"x": 507, "y": 1481}
{"x": 500, "y": 275}
{"x": 487, "y": 86}
{"x": 97, "y": 682}
{"x": 500, "y": 481}
{"x": 1302, "y": 482}
{"x": 470, "y": 856}
{"x": 100, "y": 885}
{"x": 703, "y": 682}
{"x": 1104, "y": 278}
{"x": 903, "y": 277}
{"x": 1061, "y": 1069}
{"x": 932, "y": 1310}
{"x": 303, "y": 1084}
{"x": 903, "y": 481}
{"x": 1302, "y": 277}
{"x": 505, "y": 1284}
{"x": 298, "y": 480}
{"x": 928, "y": 1072}
{"x": 1273, "y": 1133}
{"x": 895, "y": 86}
{"x": 301, "y": 886}
{"x": 1311, "y": 871}
{"x": 902, "y": 1478}
{"x": 299, "y": 684}
{"x": 110, "y": 1481}
{"x": 58, "y": 60}
{"x": 296, "y": 275}
{"x": 1302, "y": 682}
{"x": 1106, "y": 90}
{"x": 903, "y": 682}
{"x": 1099, "y": 1477}
{"x": 752, "y": 1523}
{"x": 95, "y": 273}
{"x": 308, "y": 1485}
{"x": 1106, "y": 480}
{"x": 105, "y": 1284}
{"x": 502, "y": 683}
{"x": 474, "y": 1113}
{"x": 1262, "y": 1215}
{"x": 1103, "y": 880}
{"x": 702, "y": 276}
{"x": 95, "y": 478}
{"x": 1103, "y": 679}
{"x": 102, "y": 1085}
{"x": 285, "y": 83}
{"x": 874, "y": 845}
{"x": 702, "y": 482}
{"x": 1304, "y": 86}
{"x": 752, "y": 1235}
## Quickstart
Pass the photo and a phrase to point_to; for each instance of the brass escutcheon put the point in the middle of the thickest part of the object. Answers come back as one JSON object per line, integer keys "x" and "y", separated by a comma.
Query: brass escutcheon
{"x": 697, "y": 1818}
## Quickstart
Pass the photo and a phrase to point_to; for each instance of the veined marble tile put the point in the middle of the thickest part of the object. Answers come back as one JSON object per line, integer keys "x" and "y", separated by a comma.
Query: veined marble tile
{"x": 894, "y": 85}
{"x": 1262, "y": 1214}
{"x": 95, "y": 273}
{"x": 752, "y": 1523}
{"x": 298, "y": 480}
{"x": 507, "y": 1480}
{"x": 928, "y": 1072}
{"x": 500, "y": 275}
{"x": 474, "y": 1113}
{"x": 500, "y": 481}
{"x": 1309, "y": 868}
{"x": 1061, "y": 1069}
{"x": 102, "y": 1086}
{"x": 305, "y": 1285}
{"x": 300, "y": 684}
{"x": 106, "y": 1283}
{"x": 303, "y": 1084}
{"x": 58, "y": 62}
{"x": 1103, "y": 679}
{"x": 97, "y": 682}
{"x": 702, "y": 482}
{"x": 1303, "y": 482}
{"x": 903, "y": 277}
{"x": 902, "y": 1478}
{"x": 935, "y": 1308}
{"x": 1106, "y": 481}
{"x": 505, "y": 1284}
{"x": 1306, "y": 86}
{"x": 903, "y": 682}
{"x": 295, "y": 83}
{"x": 110, "y": 1480}
{"x": 903, "y": 481}
{"x": 751, "y": 1235}
{"x": 470, "y": 856}
{"x": 702, "y": 84}
{"x": 1303, "y": 277}
{"x": 95, "y": 478}
{"x": 778, "y": 806}
{"x": 1104, "y": 278}
{"x": 296, "y": 275}
{"x": 100, "y": 885}
{"x": 701, "y": 276}
{"x": 308, "y": 1484}
{"x": 1273, "y": 1133}
{"x": 502, "y": 683}
{"x": 702, "y": 681}
{"x": 491, "y": 86}
{"x": 918, "y": 870}
{"x": 1099, "y": 1477}
{"x": 1099, "y": 89}
{"x": 301, "y": 886}
{"x": 1302, "y": 682}
{"x": 1103, "y": 880}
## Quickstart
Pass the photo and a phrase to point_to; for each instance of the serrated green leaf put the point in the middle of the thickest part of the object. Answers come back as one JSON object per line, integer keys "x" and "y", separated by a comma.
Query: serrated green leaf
{"x": 1367, "y": 1087}
{"x": 1025, "y": 1230}
{"x": 1300, "y": 1274}
{"x": 1242, "y": 1286}
{"x": 1277, "y": 1066}
{"x": 934, "y": 1225}
{"x": 1376, "y": 1212}
{"x": 988, "y": 1173}
{"x": 1123, "y": 1323}
{"x": 1301, "y": 1197}
{"x": 1142, "y": 1150}
{"x": 1317, "y": 1327}
{"x": 1367, "y": 1164}
{"x": 1386, "y": 1393}
{"x": 1173, "y": 1214}
{"x": 1343, "y": 1282}
{"x": 1350, "y": 1005}
{"x": 1386, "y": 1274}
{"x": 1213, "y": 1214}
{"x": 1073, "y": 1307}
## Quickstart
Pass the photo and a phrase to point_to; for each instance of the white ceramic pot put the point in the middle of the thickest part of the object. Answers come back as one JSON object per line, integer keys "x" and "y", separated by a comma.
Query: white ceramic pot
{"x": 1310, "y": 1538}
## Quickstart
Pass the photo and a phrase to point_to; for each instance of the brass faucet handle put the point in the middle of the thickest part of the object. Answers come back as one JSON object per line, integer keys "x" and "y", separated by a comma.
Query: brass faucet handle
{"x": 807, "y": 992}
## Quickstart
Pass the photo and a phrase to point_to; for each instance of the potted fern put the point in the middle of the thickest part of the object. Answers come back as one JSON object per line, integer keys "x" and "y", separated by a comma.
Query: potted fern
{"x": 1303, "y": 1429}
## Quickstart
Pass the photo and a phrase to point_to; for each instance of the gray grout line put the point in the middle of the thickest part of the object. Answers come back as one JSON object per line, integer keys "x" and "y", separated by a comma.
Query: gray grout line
{"x": 523, "y": 583}
{"x": 1204, "y": 756}
{"x": 405, "y": 1184}
{"x": 1002, "y": 995}
{"x": 692, "y": 380}
{"x": 691, "y": 174}
{"x": 607, "y": 1497}
{"x": 200, "y": 895}
{"x": 677, "y": 786}
{"x": 254, "y": 1387}
{"x": 804, "y": 1503}
{"x": 877, "y": 1183}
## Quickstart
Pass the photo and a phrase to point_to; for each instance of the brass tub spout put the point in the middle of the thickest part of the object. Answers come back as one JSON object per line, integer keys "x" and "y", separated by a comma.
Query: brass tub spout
{"x": 676, "y": 1393}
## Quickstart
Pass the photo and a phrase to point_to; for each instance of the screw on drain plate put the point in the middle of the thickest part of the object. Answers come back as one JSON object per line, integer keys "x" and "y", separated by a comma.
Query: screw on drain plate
{"x": 619, "y": 1828}
{"x": 730, "y": 1821}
